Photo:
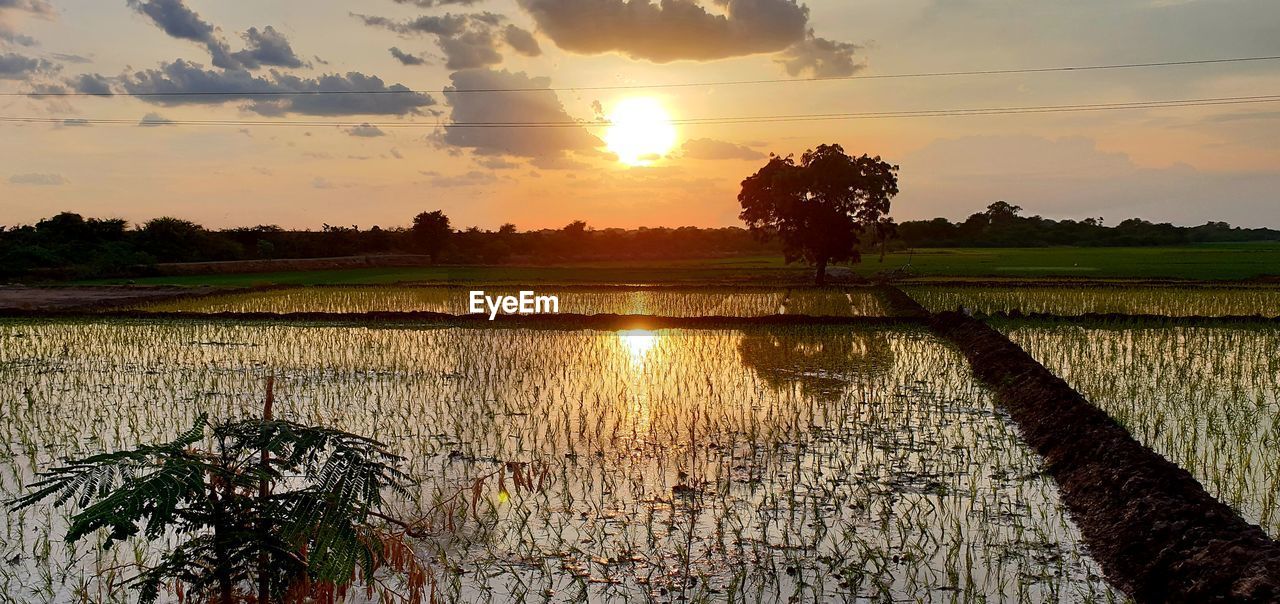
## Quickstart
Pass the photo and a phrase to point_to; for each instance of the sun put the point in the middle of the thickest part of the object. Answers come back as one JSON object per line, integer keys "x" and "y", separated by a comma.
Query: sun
{"x": 640, "y": 131}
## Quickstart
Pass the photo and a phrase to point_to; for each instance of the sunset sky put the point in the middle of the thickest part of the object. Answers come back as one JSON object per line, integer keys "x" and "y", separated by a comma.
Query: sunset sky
{"x": 300, "y": 161}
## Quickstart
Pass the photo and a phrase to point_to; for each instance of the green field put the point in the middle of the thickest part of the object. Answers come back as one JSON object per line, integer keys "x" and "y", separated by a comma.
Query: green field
{"x": 1217, "y": 262}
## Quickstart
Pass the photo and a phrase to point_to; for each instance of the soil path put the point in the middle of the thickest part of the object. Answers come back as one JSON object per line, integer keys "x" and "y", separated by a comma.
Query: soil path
{"x": 1157, "y": 533}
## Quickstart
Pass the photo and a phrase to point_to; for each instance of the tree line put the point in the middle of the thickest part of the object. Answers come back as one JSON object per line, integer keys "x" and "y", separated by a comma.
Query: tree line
{"x": 69, "y": 245}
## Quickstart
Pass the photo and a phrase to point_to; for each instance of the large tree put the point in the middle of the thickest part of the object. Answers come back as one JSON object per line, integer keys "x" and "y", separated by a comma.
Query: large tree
{"x": 819, "y": 206}
{"x": 431, "y": 233}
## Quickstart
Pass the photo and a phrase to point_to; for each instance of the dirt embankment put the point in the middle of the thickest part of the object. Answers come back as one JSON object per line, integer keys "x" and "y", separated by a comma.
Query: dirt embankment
{"x": 22, "y": 298}
{"x": 419, "y": 318}
{"x": 1093, "y": 318}
{"x": 1155, "y": 530}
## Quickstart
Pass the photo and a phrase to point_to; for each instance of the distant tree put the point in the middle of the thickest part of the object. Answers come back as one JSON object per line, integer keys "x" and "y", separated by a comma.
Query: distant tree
{"x": 820, "y": 206}
{"x": 171, "y": 239}
{"x": 886, "y": 229}
{"x": 575, "y": 229}
{"x": 1001, "y": 212}
{"x": 430, "y": 233}
{"x": 507, "y": 229}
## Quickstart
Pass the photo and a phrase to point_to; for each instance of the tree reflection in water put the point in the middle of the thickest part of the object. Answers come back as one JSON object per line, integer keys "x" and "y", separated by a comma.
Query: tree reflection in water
{"x": 818, "y": 362}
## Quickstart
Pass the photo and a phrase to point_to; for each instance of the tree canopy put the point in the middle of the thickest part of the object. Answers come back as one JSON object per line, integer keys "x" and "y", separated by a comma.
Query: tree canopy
{"x": 820, "y": 206}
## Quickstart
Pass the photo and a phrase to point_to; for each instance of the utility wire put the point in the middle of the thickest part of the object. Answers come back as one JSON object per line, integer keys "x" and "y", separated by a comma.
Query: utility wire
{"x": 804, "y": 117}
{"x": 887, "y": 76}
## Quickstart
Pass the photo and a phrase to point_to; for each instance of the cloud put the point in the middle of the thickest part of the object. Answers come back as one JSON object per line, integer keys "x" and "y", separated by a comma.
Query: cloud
{"x": 711, "y": 149}
{"x": 431, "y": 3}
{"x": 672, "y": 30}
{"x": 496, "y": 163}
{"x": 14, "y": 66}
{"x": 558, "y": 162}
{"x": 175, "y": 19}
{"x": 90, "y": 83}
{"x": 521, "y": 41}
{"x": 9, "y": 36}
{"x": 70, "y": 58}
{"x": 406, "y": 58}
{"x": 820, "y": 58}
{"x": 470, "y": 179}
{"x": 468, "y": 41}
{"x": 182, "y": 76}
{"x": 533, "y": 106}
{"x": 267, "y": 47}
{"x": 321, "y": 182}
{"x": 154, "y": 119}
{"x": 38, "y": 180}
{"x": 39, "y": 7}
{"x": 365, "y": 130}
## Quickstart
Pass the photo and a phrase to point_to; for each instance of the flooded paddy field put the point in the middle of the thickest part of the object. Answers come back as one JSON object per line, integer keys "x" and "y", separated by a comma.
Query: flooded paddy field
{"x": 1073, "y": 300}
{"x": 656, "y": 301}
{"x": 761, "y": 465}
{"x": 1205, "y": 397}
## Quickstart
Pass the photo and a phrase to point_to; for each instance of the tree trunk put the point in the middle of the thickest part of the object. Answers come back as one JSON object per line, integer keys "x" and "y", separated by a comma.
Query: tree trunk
{"x": 264, "y": 492}
{"x": 821, "y": 278}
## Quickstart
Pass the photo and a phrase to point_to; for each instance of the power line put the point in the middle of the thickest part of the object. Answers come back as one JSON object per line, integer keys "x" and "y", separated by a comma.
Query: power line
{"x": 804, "y": 117}
{"x": 887, "y": 76}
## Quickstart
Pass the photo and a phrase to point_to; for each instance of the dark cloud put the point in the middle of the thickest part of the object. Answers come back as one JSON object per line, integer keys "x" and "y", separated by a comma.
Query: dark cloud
{"x": 470, "y": 49}
{"x": 38, "y": 180}
{"x": 263, "y": 47}
{"x": 521, "y": 41}
{"x": 91, "y": 83}
{"x": 535, "y": 106}
{"x": 820, "y": 58}
{"x": 184, "y": 77}
{"x": 672, "y": 30}
{"x": 181, "y": 22}
{"x": 9, "y": 36}
{"x": 154, "y": 119}
{"x": 406, "y": 58}
{"x": 70, "y": 58}
{"x": 468, "y": 41}
{"x": 711, "y": 149}
{"x": 14, "y": 66}
{"x": 267, "y": 47}
{"x": 365, "y": 130}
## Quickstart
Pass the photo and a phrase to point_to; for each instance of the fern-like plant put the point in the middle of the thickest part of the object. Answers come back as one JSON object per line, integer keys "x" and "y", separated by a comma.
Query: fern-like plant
{"x": 269, "y": 511}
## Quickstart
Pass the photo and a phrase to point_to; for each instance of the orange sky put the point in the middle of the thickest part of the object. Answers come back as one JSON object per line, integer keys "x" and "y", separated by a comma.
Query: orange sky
{"x": 1185, "y": 165}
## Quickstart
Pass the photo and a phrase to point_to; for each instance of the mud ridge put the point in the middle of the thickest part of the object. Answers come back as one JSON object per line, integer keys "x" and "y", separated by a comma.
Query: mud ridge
{"x": 1094, "y": 318}
{"x": 556, "y": 321}
{"x": 1157, "y": 533}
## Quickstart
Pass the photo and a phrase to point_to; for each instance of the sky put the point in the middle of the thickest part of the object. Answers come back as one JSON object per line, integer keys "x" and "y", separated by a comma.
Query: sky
{"x": 304, "y": 160}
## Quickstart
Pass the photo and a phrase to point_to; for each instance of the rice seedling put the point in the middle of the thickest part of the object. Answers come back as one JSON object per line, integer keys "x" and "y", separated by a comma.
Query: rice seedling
{"x": 1207, "y": 398}
{"x": 1076, "y": 300}
{"x": 761, "y": 465}
{"x": 659, "y": 301}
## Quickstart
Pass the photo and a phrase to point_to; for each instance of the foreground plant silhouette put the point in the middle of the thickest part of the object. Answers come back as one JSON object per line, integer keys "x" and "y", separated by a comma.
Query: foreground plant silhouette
{"x": 273, "y": 511}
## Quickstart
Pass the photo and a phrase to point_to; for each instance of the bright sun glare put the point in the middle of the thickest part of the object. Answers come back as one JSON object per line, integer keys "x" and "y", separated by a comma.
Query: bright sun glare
{"x": 640, "y": 131}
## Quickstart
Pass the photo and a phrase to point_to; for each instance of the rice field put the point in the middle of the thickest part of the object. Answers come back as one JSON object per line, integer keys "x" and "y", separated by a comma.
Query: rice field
{"x": 1078, "y": 300}
{"x": 669, "y": 302}
{"x": 1206, "y": 398}
{"x": 760, "y": 465}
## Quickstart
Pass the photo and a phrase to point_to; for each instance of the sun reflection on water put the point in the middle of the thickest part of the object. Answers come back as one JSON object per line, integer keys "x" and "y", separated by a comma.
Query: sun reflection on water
{"x": 638, "y": 343}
